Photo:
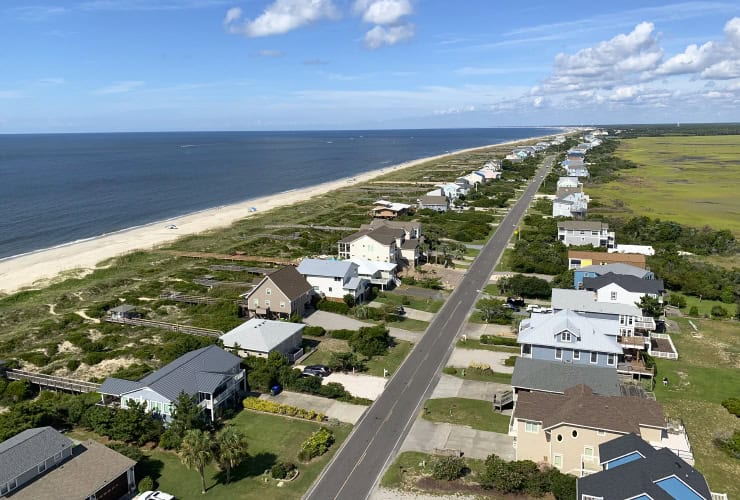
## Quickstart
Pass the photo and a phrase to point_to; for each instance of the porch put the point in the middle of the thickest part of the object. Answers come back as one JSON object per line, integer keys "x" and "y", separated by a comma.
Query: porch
{"x": 634, "y": 367}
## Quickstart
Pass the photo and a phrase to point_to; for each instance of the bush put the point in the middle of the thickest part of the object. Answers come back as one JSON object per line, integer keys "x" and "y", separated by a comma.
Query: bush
{"x": 719, "y": 312}
{"x": 35, "y": 358}
{"x": 525, "y": 286}
{"x": 334, "y": 307}
{"x": 128, "y": 451}
{"x": 170, "y": 439}
{"x": 496, "y": 340}
{"x": 448, "y": 468}
{"x": 563, "y": 486}
{"x": 316, "y": 445}
{"x": 267, "y": 406}
{"x": 332, "y": 390}
{"x": 677, "y": 300}
{"x": 73, "y": 364}
{"x": 345, "y": 362}
{"x": 449, "y": 370}
{"x": 694, "y": 311}
{"x": 314, "y": 331}
{"x": 510, "y": 361}
{"x": 729, "y": 443}
{"x": 342, "y": 334}
{"x": 146, "y": 484}
{"x": 371, "y": 341}
{"x": 282, "y": 470}
{"x": 349, "y": 299}
{"x": 732, "y": 405}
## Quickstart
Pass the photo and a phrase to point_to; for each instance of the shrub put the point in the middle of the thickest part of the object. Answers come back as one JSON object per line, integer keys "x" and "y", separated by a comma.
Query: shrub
{"x": 496, "y": 340}
{"x": 345, "y": 362}
{"x": 314, "y": 331}
{"x": 510, "y": 361}
{"x": 17, "y": 390}
{"x": 677, "y": 300}
{"x": 146, "y": 484}
{"x": 267, "y": 406}
{"x": 371, "y": 341}
{"x": 170, "y": 439}
{"x": 129, "y": 451}
{"x": 719, "y": 312}
{"x": 35, "y": 358}
{"x": 448, "y": 468}
{"x": 342, "y": 334}
{"x": 563, "y": 486}
{"x": 694, "y": 311}
{"x": 73, "y": 364}
{"x": 332, "y": 390}
{"x": 732, "y": 405}
{"x": 316, "y": 445}
{"x": 282, "y": 470}
{"x": 729, "y": 443}
{"x": 449, "y": 370}
{"x": 349, "y": 299}
{"x": 335, "y": 307}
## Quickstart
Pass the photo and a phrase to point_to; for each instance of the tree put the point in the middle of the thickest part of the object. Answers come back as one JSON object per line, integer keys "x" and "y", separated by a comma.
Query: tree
{"x": 349, "y": 299}
{"x": 677, "y": 300}
{"x": 231, "y": 449}
{"x": 371, "y": 341}
{"x": 196, "y": 452}
{"x": 650, "y": 306}
{"x": 344, "y": 362}
{"x": 185, "y": 415}
{"x": 493, "y": 311}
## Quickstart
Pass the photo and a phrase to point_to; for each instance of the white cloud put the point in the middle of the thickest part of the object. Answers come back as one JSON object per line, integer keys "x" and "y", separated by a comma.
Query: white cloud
{"x": 455, "y": 110}
{"x": 52, "y": 81}
{"x": 624, "y": 93}
{"x": 271, "y": 53}
{"x": 383, "y": 11}
{"x": 379, "y": 35}
{"x": 120, "y": 87}
{"x": 280, "y": 17}
{"x": 723, "y": 70}
{"x": 538, "y": 101}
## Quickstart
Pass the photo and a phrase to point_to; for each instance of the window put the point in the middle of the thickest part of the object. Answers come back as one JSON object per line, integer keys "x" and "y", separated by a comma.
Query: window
{"x": 610, "y": 359}
{"x": 621, "y": 320}
{"x": 526, "y": 349}
{"x": 267, "y": 302}
{"x": 559, "y": 437}
{"x": 58, "y": 457}
{"x": 576, "y": 355}
{"x": 558, "y": 353}
{"x": 594, "y": 357}
{"x": 12, "y": 484}
{"x": 256, "y": 302}
{"x": 557, "y": 461}
{"x": 574, "y": 433}
{"x": 533, "y": 427}
{"x": 3, "y": 489}
{"x": 330, "y": 289}
{"x": 630, "y": 320}
{"x": 594, "y": 233}
{"x": 614, "y": 295}
{"x": 565, "y": 336}
{"x": 42, "y": 467}
{"x": 282, "y": 305}
{"x": 268, "y": 291}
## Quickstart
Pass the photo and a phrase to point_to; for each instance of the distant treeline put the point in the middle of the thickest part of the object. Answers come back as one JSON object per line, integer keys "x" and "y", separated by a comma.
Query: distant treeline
{"x": 688, "y": 129}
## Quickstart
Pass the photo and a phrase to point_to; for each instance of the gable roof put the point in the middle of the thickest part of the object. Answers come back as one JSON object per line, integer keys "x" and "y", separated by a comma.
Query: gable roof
{"x": 384, "y": 235}
{"x": 624, "y": 445}
{"x": 554, "y": 376}
{"x": 582, "y": 225}
{"x": 326, "y": 268}
{"x": 580, "y": 406}
{"x": 406, "y": 225}
{"x": 617, "y": 268}
{"x": 185, "y": 374}
{"x": 592, "y": 334}
{"x": 629, "y": 283}
{"x": 289, "y": 281}
{"x": 29, "y": 448}
{"x": 433, "y": 200}
{"x": 640, "y": 477}
{"x": 370, "y": 267}
{"x": 585, "y": 301}
{"x": 261, "y": 335}
{"x": 608, "y": 258}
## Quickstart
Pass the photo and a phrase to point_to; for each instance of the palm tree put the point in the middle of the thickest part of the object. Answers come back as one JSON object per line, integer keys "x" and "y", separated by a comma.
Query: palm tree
{"x": 196, "y": 451}
{"x": 231, "y": 449}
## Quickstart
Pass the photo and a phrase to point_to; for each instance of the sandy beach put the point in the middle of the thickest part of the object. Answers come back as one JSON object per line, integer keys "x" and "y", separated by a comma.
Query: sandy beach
{"x": 37, "y": 268}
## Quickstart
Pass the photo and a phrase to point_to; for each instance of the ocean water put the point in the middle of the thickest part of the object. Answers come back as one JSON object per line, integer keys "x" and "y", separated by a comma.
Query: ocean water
{"x": 59, "y": 188}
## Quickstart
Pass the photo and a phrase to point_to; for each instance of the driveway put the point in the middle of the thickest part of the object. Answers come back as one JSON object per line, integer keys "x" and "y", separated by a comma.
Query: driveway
{"x": 333, "y": 321}
{"x": 425, "y": 436}
{"x": 363, "y": 386}
{"x": 461, "y": 358}
{"x": 455, "y": 387}
{"x": 344, "y": 412}
{"x": 475, "y": 330}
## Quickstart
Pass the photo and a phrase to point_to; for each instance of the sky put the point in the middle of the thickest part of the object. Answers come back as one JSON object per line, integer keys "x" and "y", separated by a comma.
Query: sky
{"x": 161, "y": 65}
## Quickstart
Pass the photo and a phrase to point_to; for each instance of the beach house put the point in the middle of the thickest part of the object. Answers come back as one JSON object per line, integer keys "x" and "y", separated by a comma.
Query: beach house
{"x": 581, "y": 258}
{"x": 568, "y": 185}
{"x": 624, "y": 289}
{"x": 565, "y": 430}
{"x": 573, "y": 205}
{"x": 578, "y": 233}
{"x": 260, "y": 337}
{"x": 211, "y": 375}
{"x": 436, "y": 203}
{"x": 555, "y": 377}
{"x": 382, "y": 274}
{"x": 333, "y": 279}
{"x": 389, "y": 210}
{"x": 41, "y": 463}
{"x": 594, "y": 271}
{"x": 279, "y": 295}
{"x": 394, "y": 242}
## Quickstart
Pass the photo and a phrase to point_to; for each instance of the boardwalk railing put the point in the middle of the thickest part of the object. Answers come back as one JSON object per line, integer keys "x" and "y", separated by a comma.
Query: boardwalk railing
{"x": 189, "y": 299}
{"x": 174, "y": 327}
{"x": 311, "y": 226}
{"x": 53, "y": 382}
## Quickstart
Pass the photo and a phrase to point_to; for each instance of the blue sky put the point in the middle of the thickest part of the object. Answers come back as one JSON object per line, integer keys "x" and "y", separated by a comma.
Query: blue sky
{"x": 139, "y": 65}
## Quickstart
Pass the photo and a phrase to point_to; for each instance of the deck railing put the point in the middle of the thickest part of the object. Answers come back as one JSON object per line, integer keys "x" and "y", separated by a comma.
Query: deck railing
{"x": 53, "y": 382}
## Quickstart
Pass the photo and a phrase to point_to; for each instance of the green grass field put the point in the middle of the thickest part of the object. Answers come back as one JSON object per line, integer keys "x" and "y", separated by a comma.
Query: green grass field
{"x": 428, "y": 305}
{"x": 461, "y": 411}
{"x": 691, "y": 180}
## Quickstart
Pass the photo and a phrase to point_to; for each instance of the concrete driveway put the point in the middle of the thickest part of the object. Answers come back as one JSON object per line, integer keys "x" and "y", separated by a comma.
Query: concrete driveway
{"x": 363, "y": 386}
{"x": 425, "y": 436}
{"x": 475, "y": 330}
{"x": 344, "y": 412}
{"x": 333, "y": 321}
{"x": 461, "y": 358}
{"x": 455, "y": 387}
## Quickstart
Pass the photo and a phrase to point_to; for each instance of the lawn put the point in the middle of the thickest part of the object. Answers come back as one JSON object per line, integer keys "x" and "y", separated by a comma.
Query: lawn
{"x": 705, "y": 373}
{"x": 412, "y": 325}
{"x": 476, "y": 344}
{"x": 504, "y": 264}
{"x": 418, "y": 303}
{"x": 497, "y": 377}
{"x": 471, "y": 412}
{"x": 492, "y": 290}
{"x": 704, "y": 306}
{"x": 390, "y": 361}
{"x": 690, "y": 180}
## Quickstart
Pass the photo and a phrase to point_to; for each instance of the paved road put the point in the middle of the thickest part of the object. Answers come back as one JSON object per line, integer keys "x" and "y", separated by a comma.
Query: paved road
{"x": 355, "y": 469}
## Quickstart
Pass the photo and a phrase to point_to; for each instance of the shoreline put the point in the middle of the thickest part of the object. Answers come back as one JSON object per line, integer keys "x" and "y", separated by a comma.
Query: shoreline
{"x": 38, "y": 267}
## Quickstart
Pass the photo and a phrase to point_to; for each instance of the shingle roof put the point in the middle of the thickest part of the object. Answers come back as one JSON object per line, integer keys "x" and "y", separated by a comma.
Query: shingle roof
{"x": 326, "y": 268}
{"x": 92, "y": 467}
{"x": 407, "y": 225}
{"x": 433, "y": 200}
{"x": 583, "y": 225}
{"x": 29, "y": 448}
{"x": 409, "y": 244}
{"x": 383, "y": 234}
{"x": 289, "y": 281}
{"x": 640, "y": 476}
{"x": 629, "y": 283}
{"x": 261, "y": 335}
{"x": 580, "y": 406}
{"x": 554, "y": 376}
{"x": 608, "y": 258}
{"x": 624, "y": 445}
{"x": 585, "y": 301}
{"x": 591, "y": 334}
{"x": 617, "y": 268}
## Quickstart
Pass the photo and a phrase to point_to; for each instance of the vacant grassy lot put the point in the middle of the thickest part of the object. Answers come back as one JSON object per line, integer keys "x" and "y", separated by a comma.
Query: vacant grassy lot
{"x": 707, "y": 372}
{"x": 461, "y": 411}
{"x": 487, "y": 376}
{"x": 411, "y": 465}
{"x": 421, "y": 304}
{"x": 690, "y": 180}
{"x": 391, "y": 361}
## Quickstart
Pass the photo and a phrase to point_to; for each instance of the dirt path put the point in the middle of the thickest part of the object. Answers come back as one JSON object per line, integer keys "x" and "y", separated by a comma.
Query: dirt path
{"x": 51, "y": 309}
{"x": 83, "y": 314}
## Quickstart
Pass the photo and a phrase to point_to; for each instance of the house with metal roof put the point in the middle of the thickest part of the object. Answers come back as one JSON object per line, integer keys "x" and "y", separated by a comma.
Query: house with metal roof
{"x": 566, "y": 430}
{"x": 555, "y": 377}
{"x": 593, "y": 271}
{"x": 573, "y": 205}
{"x": 624, "y": 289}
{"x": 382, "y": 274}
{"x": 333, "y": 279}
{"x": 641, "y": 249}
{"x": 279, "y": 295}
{"x": 211, "y": 375}
{"x": 570, "y": 337}
{"x": 42, "y": 463}
{"x": 388, "y": 210}
{"x": 260, "y": 337}
{"x": 633, "y": 468}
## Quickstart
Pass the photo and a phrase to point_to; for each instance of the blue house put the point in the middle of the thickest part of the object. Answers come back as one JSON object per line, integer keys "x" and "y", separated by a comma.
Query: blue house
{"x": 570, "y": 337}
{"x": 595, "y": 271}
{"x": 633, "y": 469}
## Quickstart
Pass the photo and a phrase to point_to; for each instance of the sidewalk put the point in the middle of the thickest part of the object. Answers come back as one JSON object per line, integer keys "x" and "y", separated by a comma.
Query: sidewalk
{"x": 344, "y": 412}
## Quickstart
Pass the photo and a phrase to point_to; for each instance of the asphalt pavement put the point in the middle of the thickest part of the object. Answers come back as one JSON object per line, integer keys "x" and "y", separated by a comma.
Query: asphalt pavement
{"x": 357, "y": 466}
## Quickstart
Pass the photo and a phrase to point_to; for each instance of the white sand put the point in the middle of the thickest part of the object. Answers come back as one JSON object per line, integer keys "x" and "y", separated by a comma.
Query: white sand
{"x": 36, "y": 269}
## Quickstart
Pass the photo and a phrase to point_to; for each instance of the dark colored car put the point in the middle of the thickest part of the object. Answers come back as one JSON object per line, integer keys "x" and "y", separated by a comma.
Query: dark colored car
{"x": 317, "y": 371}
{"x": 515, "y": 301}
{"x": 400, "y": 310}
{"x": 512, "y": 307}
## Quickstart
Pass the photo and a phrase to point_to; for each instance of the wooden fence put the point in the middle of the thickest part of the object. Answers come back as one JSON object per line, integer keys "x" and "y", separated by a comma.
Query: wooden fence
{"x": 235, "y": 257}
{"x": 174, "y": 327}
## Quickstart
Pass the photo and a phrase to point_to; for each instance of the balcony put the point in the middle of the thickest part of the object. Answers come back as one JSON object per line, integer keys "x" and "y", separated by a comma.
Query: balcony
{"x": 645, "y": 323}
{"x": 632, "y": 342}
{"x": 675, "y": 439}
{"x": 589, "y": 465}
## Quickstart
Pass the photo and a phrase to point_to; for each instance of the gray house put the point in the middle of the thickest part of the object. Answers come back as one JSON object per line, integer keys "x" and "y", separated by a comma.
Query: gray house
{"x": 213, "y": 376}
{"x": 41, "y": 463}
{"x": 436, "y": 203}
{"x": 570, "y": 337}
{"x": 260, "y": 337}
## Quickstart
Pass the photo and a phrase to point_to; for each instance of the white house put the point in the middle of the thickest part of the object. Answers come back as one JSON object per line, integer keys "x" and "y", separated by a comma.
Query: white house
{"x": 378, "y": 245}
{"x": 594, "y": 233}
{"x": 436, "y": 203}
{"x": 333, "y": 279}
{"x": 260, "y": 337}
{"x": 573, "y": 205}
{"x": 624, "y": 289}
{"x": 639, "y": 249}
{"x": 377, "y": 273}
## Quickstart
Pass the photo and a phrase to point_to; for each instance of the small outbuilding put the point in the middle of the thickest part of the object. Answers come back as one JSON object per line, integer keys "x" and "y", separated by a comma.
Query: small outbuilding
{"x": 124, "y": 311}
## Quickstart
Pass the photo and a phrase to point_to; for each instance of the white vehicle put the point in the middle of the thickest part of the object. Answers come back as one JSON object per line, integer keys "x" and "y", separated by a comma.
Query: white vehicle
{"x": 534, "y": 308}
{"x": 155, "y": 495}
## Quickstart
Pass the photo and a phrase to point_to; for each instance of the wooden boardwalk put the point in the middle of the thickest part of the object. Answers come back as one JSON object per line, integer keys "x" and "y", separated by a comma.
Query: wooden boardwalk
{"x": 53, "y": 382}
{"x": 235, "y": 268}
{"x": 225, "y": 256}
{"x": 173, "y": 327}
{"x": 311, "y": 226}
{"x": 189, "y": 299}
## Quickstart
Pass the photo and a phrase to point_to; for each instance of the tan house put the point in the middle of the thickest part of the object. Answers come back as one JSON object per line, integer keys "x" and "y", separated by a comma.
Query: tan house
{"x": 384, "y": 209}
{"x": 377, "y": 245}
{"x": 279, "y": 295}
{"x": 565, "y": 430}
{"x": 578, "y": 259}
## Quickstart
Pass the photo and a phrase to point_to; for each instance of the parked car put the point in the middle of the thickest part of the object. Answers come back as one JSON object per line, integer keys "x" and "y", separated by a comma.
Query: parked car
{"x": 317, "y": 371}
{"x": 512, "y": 307}
{"x": 533, "y": 308}
{"x": 400, "y": 310}
{"x": 515, "y": 301}
{"x": 155, "y": 495}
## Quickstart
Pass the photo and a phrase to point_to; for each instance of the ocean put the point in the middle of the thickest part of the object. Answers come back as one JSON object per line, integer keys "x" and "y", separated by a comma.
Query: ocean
{"x": 60, "y": 188}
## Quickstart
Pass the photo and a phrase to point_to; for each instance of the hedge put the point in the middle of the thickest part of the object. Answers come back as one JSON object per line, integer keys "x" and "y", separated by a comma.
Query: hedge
{"x": 342, "y": 334}
{"x": 314, "y": 331}
{"x": 316, "y": 445}
{"x": 335, "y": 307}
{"x": 267, "y": 406}
{"x": 496, "y": 340}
